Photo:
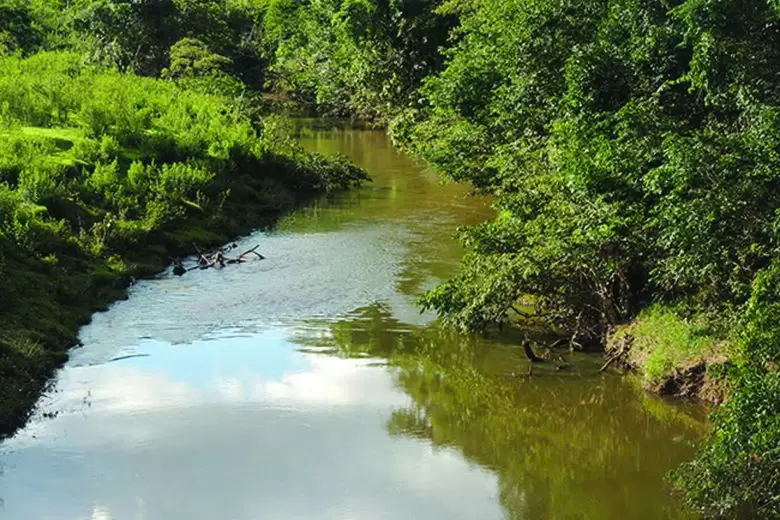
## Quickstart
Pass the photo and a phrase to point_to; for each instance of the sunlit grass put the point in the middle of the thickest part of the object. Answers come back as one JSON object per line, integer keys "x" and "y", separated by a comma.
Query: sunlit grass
{"x": 70, "y": 135}
{"x": 664, "y": 342}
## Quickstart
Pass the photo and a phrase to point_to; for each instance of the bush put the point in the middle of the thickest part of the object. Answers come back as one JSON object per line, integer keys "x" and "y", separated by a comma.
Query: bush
{"x": 738, "y": 471}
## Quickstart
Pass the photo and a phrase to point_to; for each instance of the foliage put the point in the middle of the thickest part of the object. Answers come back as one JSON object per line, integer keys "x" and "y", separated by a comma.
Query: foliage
{"x": 16, "y": 29}
{"x": 665, "y": 342}
{"x": 622, "y": 175}
{"x": 194, "y": 66}
{"x": 738, "y": 472}
{"x": 28, "y": 25}
{"x": 346, "y": 57}
{"x": 137, "y": 35}
{"x": 190, "y": 58}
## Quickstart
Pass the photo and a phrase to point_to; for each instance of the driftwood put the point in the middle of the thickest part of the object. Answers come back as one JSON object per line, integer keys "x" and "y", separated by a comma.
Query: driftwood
{"x": 547, "y": 355}
{"x": 529, "y": 352}
{"x": 251, "y": 251}
{"x": 214, "y": 259}
{"x": 624, "y": 348}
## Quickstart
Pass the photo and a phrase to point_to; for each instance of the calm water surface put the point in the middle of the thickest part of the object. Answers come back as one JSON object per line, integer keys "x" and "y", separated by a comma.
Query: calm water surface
{"x": 307, "y": 386}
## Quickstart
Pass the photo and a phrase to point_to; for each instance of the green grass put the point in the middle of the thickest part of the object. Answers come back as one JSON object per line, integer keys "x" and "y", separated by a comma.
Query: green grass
{"x": 664, "y": 342}
{"x": 66, "y": 135}
{"x": 62, "y": 140}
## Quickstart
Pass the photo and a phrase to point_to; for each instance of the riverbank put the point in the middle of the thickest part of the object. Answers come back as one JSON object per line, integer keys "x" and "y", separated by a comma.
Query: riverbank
{"x": 39, "y": 331}
{"x": 104, "y": 177}
{"x": 671, "y": 356}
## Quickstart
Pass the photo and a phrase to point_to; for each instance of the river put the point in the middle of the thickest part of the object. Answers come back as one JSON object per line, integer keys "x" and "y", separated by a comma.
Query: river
{"x": 308, "y": 386}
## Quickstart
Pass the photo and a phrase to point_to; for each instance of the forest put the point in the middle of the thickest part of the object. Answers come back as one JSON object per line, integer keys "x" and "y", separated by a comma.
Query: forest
{"x": 632, "y": 148}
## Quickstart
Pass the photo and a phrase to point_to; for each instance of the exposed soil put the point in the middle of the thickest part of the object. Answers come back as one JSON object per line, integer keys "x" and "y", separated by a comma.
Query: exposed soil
{"x": 694, "y": 381}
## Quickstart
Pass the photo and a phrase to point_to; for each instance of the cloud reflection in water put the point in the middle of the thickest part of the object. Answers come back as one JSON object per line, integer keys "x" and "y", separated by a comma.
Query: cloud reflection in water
{"x": 188, "y": 433}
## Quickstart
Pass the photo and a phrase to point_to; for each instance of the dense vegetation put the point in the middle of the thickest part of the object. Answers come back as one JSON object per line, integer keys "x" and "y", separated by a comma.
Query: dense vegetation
{"x": 634, "y": 150}
{"x": 633, "y": 147}
{"x": 355, "y": 57}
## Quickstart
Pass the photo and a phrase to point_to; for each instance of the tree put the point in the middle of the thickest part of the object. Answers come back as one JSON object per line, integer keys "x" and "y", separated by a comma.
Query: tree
{"x": 190, "y": 58}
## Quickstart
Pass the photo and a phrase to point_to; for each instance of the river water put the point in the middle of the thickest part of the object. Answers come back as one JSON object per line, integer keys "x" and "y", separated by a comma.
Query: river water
{"x": 308, "y": 386}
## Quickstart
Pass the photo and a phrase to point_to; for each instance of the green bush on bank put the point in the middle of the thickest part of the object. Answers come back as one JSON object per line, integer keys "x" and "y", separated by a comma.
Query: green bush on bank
{"x": 363, "y": 58}
{"x": 737, "y": 474}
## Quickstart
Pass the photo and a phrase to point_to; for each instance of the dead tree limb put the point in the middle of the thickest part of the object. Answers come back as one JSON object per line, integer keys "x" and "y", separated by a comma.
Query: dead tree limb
{"x": 614, "y": 358}
{"x": 609, "y": 362}
{"x": 251, "y": 251}
{"x": 521, "y": 313}
{"x": 529, "y": 352}
{"x": 558, "y": 343}
{"x": 576, "y": 333}
{"x": 212, "y": 259}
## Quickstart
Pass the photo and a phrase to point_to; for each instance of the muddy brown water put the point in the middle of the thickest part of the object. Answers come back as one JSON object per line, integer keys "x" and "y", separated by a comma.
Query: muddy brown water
{"x": 308, "y": 386}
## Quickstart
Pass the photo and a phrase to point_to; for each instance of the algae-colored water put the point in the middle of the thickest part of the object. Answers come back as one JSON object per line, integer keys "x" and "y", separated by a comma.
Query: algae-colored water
{"x": 308, "y": 386}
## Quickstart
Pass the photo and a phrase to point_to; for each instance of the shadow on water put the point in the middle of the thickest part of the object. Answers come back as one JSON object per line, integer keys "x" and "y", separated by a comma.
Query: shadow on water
{"x": 574, "y": 444}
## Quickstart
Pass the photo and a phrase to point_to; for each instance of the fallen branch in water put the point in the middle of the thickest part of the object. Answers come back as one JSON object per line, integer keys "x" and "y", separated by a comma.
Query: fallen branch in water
{"x": 529, "y": 352}
{"x": 609, "y": 362}
{"x": 214, "y": 259}
{"x": 253, "y": 251}
{"x": 624, "y": 348}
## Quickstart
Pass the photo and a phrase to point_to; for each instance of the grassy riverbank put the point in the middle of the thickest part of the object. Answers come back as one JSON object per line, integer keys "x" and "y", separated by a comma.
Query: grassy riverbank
{"x": 104, "y": 177}
{"x": 674, "y": 356}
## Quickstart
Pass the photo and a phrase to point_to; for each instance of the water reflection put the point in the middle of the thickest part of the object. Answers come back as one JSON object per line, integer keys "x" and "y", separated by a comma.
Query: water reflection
{"x": 564, "y": 445}
{"x": 364, "y": 416}
{"x": 197, "y": 434}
